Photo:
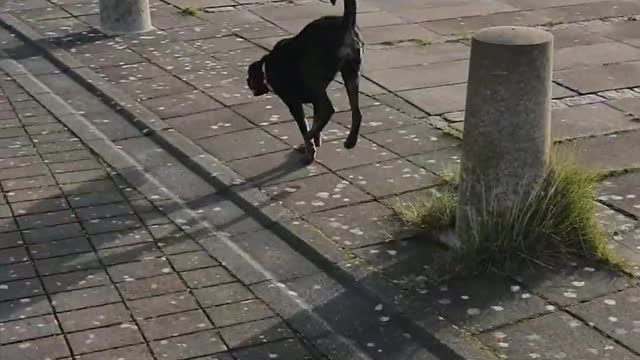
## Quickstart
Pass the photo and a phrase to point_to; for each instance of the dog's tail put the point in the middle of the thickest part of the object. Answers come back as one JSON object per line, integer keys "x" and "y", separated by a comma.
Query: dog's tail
{"x": 350, "y": 10}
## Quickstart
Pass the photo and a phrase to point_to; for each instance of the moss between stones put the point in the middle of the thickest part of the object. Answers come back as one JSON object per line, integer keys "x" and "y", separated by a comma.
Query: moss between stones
{"x": 190, "y": 11}
{"x": 556, "y": 224}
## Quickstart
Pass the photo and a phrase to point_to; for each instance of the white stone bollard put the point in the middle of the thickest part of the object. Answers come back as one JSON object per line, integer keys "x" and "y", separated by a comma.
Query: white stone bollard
{"x": 124, "y": 16}
{"x": 507, "y": 121}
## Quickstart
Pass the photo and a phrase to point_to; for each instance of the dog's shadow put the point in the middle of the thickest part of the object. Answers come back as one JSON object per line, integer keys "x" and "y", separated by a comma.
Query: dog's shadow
{"x": 295, "y": 161}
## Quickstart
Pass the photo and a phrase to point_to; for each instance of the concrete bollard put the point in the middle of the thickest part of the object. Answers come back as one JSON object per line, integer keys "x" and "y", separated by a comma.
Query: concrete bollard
{"x": 124, "y": 16}
{"x": 507, "y": 121}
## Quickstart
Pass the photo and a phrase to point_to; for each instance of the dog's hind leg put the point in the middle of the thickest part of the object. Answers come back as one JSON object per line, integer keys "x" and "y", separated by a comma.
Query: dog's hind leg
{"x": 351, "y": 77}
{"x": 297, "y": 111}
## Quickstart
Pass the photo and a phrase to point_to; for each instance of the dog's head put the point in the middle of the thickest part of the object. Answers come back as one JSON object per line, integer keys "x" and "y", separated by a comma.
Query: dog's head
{"x": 256, "y": 78}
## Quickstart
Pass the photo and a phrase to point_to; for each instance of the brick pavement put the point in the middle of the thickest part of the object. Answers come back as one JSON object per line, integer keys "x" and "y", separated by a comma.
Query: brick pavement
{"x": 90, "y": 268}
{"x": 190, "y": 74}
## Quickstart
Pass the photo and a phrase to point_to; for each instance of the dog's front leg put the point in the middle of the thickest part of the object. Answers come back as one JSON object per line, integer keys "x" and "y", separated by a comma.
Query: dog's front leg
{"x": 323, "y": 111}
{"x": 308, "y": 148}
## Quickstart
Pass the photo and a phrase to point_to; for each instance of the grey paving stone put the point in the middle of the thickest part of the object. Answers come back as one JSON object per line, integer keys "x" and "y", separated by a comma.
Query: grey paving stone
{"x": 245, "y": 311}
{"x": 207, "y": 277}
{"x": 162, "y": 305}
{"x": 188, "y": 346}
{"x": 104, "y": 338}
{"x": 412, "y": 140}
{"x": 445, "y": 162}
{"x": 178, "y": 66}
{"x": 10, "y": 239}
{"x": 154, "y": 286}
{"x": 46, "y": 219}
{"x": 13, "y": 255}
{"x": 18, "y": 151}
{"x": 7, "y": 225}
{"x": 116, "y": 223}
{"x": 80, "y": 176}
{"x": 44, "y": 128}
{"x": 552, "y": 336}
{"x": 614, "y": 222}
{"x": 154, "y": 87}
{"x": 139, "y": 270}
{"x": 125, "y": 254}
{"x": 287, "y": 349}
{"x": 290, "y": 134}
{"x": 20, "y": 289}
{"x": 222, "y": 294}
{"x": 182, "y": 104}
{"x": 95, "y": 186}
{"x": 84, "y": 298}
{"x": 175, "y": 325}
{"x": 48, "y": 148}
{"x": 129, "y": 72}
{"x": 334, "y": 156}
{"x": 606, "y": 153}
{"x": 589, "y": 120}
{"x": 599, "y": 78}
{"x": 422, "y": 76}
{"x": 94, "y": 199}
{"x": 62, "y": 136}
{"x": 390, "y": 177}
{"x": 177, "y": 244}
{"x": 610, "y": 314}
{"x": 104, "y": 211}
{"x": 138, "y": 352}
{"x": 376, "y": 118}
{"x": 21, "y": 330}
{"x": 94, "y": 317}
{"x": 39, "y": 206}
{"x": 209, "y": 123}
{"x": 266, "y": 111}
{"x": 256, "y": 332}
{"x": 75, "y": 280}
{"x": 154, "y": 218}
{"x": 241, "y": 144}
{"x": 110, "y": 58}
{"x": 37, "y": 181}
{"x": 67, "y": 263}
{"x": 39, "y": 120}
{"x": 437, "y": 100}
{"x": 623, "y": 192}
{"x": 120, "y": 238}
{"x": 59, "y": 248}
{"x": 34, "y": 194}
{"x": 75, "y": 166}
{"x": 17, "y": 271}
{"x": 354, "y": 226}
{"x": 302, "y": 196}
{"x": 24, "y": 308}
{"x": 220, "y": 44}
{"x": 23, "y": 172}
{"x": 183, "y": 182}
{"x": 594, "y": 54}
{"x": 54, "y": 346}
{"x": 52, "y": 233}
{"x": 275, "y": 168}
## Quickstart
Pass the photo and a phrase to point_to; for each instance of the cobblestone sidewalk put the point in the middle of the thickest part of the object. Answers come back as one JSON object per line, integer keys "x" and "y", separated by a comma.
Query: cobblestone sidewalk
{"x": 91, "y": 268}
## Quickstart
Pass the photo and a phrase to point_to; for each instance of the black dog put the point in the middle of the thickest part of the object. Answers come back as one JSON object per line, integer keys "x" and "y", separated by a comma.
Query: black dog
{"x": 299, "y": 70}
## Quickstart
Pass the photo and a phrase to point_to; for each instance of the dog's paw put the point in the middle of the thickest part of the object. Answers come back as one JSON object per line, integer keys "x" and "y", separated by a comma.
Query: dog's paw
{"x": 351, "y": 142}
{"x": 310, "y": 156}
{"x": 300, "y": 148}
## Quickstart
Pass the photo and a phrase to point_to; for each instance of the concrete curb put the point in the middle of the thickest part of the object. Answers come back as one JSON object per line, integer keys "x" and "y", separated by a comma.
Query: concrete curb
{"x": 450, "y": 341}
